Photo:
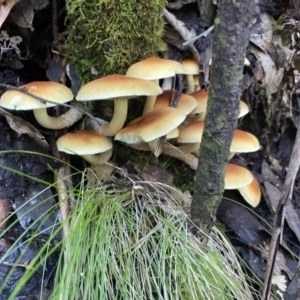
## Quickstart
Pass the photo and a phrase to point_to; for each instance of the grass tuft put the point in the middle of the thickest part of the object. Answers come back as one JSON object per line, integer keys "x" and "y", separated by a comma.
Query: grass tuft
{"x": 130, "y": 240}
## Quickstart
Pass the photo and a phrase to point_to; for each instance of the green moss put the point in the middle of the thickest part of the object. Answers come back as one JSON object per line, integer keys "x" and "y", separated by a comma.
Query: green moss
{"x": 112, "y": 35}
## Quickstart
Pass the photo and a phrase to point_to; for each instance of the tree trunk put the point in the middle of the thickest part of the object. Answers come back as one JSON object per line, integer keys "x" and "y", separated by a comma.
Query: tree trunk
{"x": 232, "y": 30}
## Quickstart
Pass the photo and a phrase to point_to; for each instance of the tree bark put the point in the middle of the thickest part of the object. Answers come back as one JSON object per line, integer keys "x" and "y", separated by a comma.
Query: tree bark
{"x": 232, "y": 31}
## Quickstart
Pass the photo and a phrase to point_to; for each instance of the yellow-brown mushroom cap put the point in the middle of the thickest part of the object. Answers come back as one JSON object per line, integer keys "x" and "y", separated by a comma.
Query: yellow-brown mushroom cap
{"x": 244, "y": 109}
{"x": 186, "y": 103}
{"x": 173, "y": 134}
{"x": 48, "y": 90}
{"x": 117, "y": 86}
{"x": 190, "y": 66}
{"x": 244, "y": 142}
{"x": 251, "y": 192}
{"x": 83, "y": 142}
{"x": 153, "y": 68}
{"x": 151, "y": 126}
{"x": 237, "y": 177}
{"x": 201, "y": 97}
{"x": 191, "y": 133}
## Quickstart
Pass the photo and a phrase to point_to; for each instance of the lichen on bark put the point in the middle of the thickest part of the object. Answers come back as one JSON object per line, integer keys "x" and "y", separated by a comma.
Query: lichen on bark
{"x": 231, "y": 36}
{"x": 110, "y": 35}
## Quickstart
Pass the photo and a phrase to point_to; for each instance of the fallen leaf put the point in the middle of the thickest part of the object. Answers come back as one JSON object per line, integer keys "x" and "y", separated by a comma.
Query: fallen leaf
{"x": 22, "y": 14}
{"x": 23, "y": 127}
{"x": 273, "y": 194}
{"x": 273, "y": 75}
{"x": 262, "y": 32}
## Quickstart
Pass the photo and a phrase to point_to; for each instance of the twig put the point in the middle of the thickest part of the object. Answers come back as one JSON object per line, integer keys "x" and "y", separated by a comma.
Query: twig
{"x": 4, "y": 212}
{"x": 54, "y": 23}
{"x": 63, "y": 200}
{"x": 280, "y": 214}
{"x": 203, "y": 34}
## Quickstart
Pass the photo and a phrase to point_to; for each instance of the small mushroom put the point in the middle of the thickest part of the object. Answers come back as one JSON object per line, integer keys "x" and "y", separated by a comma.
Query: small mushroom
{"x": 93, "y": 146}
{"x": 150, "y": 127}
{"x": 120, "y": 89}
{"x": 191, "y": 136}
{"x": 48, "y": 90}
{"x": 237, "y": 177}
{"x": 240, "y": 178}
{"x": 154, "y": 68}
{"x": 243, "y": 142}
{"x": 251, "y": 192}
{"x": 190, "y": 68}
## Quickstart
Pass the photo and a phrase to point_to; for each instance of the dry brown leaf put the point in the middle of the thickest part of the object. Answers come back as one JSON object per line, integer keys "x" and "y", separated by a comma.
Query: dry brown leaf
{"x": 262, "y": 33}
{"x": 273, "y": 75}
{"x": 23, "y": 127}
{"x": 272, "y": 56}
{"x": 273, "y": 193}
{"x": 22, "y": 14}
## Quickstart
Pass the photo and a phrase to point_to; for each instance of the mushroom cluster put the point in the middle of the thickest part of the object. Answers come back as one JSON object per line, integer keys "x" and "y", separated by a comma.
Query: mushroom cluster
{"x": 182, "y": 126}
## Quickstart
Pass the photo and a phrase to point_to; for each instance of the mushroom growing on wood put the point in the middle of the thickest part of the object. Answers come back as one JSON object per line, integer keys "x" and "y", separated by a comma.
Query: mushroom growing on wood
{"x": 48, "y": 90}
{"x": 120, "y": 89}
{"x": 93, "y": 146}
{"x": 154, "y": 68}
{"x": 150, "y": 127}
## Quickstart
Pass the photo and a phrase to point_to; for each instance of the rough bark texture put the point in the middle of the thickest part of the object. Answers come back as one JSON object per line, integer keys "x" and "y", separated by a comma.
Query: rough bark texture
{"x": 232, "y": 31}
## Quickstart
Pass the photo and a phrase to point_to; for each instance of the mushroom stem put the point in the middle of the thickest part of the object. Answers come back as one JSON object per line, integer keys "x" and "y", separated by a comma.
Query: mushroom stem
{"x": 190, "y": 83}
{"x": 173, "y": 151}
{"x": 150, "y": 101}
{"x": 98, "y": 125}
{"x": 156, "y": 145}
{"x": 65, "y": 120}
{"x": 167, "y": 84}
{"x": 119, "y": 117}
{"x": 98, "y": 159}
